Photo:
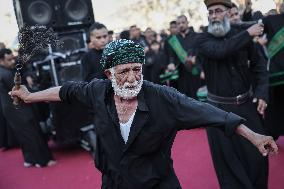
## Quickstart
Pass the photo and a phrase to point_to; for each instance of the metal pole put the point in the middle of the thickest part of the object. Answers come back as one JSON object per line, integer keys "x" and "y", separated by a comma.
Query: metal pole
{"x": 53, "y": 69}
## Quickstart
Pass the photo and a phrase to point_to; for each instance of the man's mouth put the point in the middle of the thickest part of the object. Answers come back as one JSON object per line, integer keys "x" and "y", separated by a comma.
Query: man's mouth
{"x": 216, "y": 22}
{"x": 131, "y": 87}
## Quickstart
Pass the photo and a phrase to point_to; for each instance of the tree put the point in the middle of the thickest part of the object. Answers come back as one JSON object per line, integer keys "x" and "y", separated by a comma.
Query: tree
{"x": 158, "y": 13}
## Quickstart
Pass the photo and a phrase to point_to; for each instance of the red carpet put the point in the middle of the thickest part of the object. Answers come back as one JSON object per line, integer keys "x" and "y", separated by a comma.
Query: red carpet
{"x": 75, "y": 169}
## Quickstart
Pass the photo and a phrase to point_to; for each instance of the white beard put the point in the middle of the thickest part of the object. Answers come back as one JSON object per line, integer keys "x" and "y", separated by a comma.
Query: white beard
{"x": 219, "y": 29}
{"x": 124, "y": 91}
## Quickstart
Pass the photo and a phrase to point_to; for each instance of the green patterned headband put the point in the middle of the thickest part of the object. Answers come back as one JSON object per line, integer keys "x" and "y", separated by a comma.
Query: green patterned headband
{"x": 122, "y": 51}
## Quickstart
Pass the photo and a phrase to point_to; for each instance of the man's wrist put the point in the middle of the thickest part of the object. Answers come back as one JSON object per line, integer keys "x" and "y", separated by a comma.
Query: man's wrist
{"x": 29, "y": 98}
{"x": 245, "y": 132}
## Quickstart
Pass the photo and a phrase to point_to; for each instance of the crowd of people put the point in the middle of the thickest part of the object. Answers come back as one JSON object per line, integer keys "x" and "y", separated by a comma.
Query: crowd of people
{"x": 128, "y": 80}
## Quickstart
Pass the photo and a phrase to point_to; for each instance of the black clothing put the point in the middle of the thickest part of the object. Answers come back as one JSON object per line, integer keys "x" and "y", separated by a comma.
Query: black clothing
{"x": 7, "y": 138}
{"x": 141, "y": 40}
{"x": 272, "y": 24}
{"x": 170, "y": 58}
{"x": 252, "y": 16}
{"x": 144, "y": 162}
{"x": 155, "y": 64}
{"x": 233, "y": 65}
{"x": 187, "y": 82}
{"x": 275, "y": 111}
{"x": 91, "y": 67}
{"x": 23, "y": 123}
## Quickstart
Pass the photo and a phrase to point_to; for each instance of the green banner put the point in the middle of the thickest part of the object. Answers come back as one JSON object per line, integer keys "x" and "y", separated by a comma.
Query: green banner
{"x": 169, "y": 76}
{"x": 276, "y": 43}
{"x": 276, "y": 79}
{"x": 180, "y": 52}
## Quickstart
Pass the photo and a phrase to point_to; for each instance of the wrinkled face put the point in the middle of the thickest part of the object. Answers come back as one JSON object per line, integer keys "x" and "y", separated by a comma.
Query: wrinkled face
{"x": 173, "y": 29}
{"x": 8, "y": 61}
{"x": 99, "y": 38}
{"x": 182, "y": 24}
{"x": 127, "y": 79}
{"x": 234, "y": 15}
{"x": 219, "y": 23}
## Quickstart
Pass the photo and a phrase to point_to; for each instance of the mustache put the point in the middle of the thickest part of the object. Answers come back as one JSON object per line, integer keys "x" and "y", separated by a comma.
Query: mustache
{"x": 131, "y": 85}
{"x": 216, "y": 22}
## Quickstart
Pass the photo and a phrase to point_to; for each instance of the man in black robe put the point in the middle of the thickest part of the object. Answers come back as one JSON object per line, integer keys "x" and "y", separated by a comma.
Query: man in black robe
{"x": 155, "y": 63}
{"x": 236, "y": 76}
{"x": 137, "y": 121}
{"x": 189, "y": 80}
{"x": 249, "y": 14}
{"x": 170, "y": 57}
{"x": 91, "y": 61}
{"x": 274, "y": 117}
{"x": 22, "y": 120}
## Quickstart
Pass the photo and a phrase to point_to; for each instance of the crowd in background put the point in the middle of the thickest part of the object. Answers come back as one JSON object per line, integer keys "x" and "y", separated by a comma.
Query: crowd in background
{"x": 162, "y": 66}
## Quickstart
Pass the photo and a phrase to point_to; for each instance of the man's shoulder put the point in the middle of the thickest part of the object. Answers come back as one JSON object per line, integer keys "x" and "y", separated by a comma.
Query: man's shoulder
{"x": 92, "y": 53}
{"x": 274, "y": 20}
{"x": 4, "y": 72}
{"x": 100, "y": 83}
{"x": 159, "y": 90}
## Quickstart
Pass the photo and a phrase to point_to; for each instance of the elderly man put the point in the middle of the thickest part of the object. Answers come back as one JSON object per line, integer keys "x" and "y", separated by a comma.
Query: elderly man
{"x": 182, "y": 57}
{"x": 236, "y": 76}
{"x": 137, "y": 121}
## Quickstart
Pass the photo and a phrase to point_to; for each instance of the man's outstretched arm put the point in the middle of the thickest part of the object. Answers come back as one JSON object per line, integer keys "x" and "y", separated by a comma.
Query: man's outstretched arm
{"x": 265, "y": 144}
{"x": 51, "y": 94}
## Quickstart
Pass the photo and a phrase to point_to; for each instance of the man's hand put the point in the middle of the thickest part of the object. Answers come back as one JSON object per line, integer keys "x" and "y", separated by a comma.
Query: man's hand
{"x": 202, "y": 75}
{"x": 265, "y": 144}
{"x": 191, "y": 60}
{"x": 22, "y": 93}
{"x": 255, "y": 30}
{"x": 171, "y": 67}
{"x": 262, "y": 40}
{"x": 261, "y": 106}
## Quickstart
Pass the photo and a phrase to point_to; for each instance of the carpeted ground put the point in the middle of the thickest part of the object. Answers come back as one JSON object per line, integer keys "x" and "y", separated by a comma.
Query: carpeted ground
{"x": 75, "y": 169}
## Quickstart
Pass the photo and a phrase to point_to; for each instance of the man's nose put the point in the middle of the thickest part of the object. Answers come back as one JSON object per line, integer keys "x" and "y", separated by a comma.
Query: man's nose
{"x": 131, "y": 77}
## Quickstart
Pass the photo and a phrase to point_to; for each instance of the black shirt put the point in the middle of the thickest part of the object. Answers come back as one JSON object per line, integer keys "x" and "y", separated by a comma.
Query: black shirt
{"x": 91, "y": 67}
{"x": 155, "y": 64}
{"x": 145, "y": 160}
{"x": 233, "y": 64}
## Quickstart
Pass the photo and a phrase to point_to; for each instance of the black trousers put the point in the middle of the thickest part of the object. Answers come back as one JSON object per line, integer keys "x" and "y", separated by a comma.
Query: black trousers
{"x": 238, "y": 163}
{"x": 274, "y": 121}
{"x": 27, "y": 131}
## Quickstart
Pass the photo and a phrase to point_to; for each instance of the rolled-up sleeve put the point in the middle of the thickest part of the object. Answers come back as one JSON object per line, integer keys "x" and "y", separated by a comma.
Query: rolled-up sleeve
{"x": 80, "y": 92}
{"x": 194, "y": 114}
{"x": 231, "y": 123}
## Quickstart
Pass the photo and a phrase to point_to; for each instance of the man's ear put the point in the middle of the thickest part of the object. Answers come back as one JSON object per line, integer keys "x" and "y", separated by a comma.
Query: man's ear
{"x": 108, "y": 74}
